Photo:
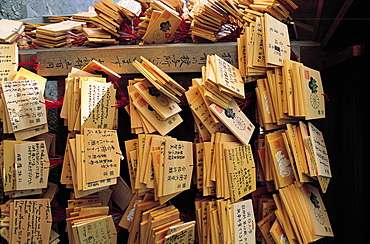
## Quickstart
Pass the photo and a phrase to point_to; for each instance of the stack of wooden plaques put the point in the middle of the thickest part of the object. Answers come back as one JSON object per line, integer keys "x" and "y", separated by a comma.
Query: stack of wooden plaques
{"x": 221, "y": 221}
{"x": 159, "y": 79}
{"x": 167, "y": 12}
{"x": 225, "y": 168}
{"x": 30, "y": 28}
{"x": 151, "y": 222}
{"x": 263, "y": 46}
{"x": 86, "y": 97}
{"x": 87, "y": 17}
{"x": 301, "y": 214}
{"x": 153, "y": 100}
{"x": 150, "y": 110}
{"x": 110, "y": 16}
{"x": 33, "y": 219}
{"x": 57, "y": 19}
{"x": 9, "y": 30}
{"x": 99, "y": 228}
{"x": 222, "y": 80}
{"x": 94, "y": 157}
{"x": 288, "y": 94}
{"x": 84, "y": 115}
{"x": 92, "y": 150}
{"x": 212, "y": 102}
{"x": 280, "y": 9}
{"x": 24, "y": 114}
{"x": 26, "y": 165}
{"x": 55, "y": 35}
{"x": 288, "y": 161}
{"x": 161, "y": 22}
{"x": 297, "y": 154}
{"x": 214, "y": 20}
{"x": 88, "y": 218}
{"x": 295, "y": 213}
{"x": 32, "y": 216}
{"x": 98, "y": 37}
{"x": 206, "y": 123}
{"x": 161, "y": 163}
{"x": 85, "y": 216}
{"x": 207, "y": 20}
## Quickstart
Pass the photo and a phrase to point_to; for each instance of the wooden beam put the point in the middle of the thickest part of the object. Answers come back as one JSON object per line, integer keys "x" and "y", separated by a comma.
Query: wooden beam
{"x": 350, "y": 52}
{"x": 336, "y": 22}
{"x": 172, "y": 58}
{"x": 304, "y": 26}
{"x": 317, "y": 20}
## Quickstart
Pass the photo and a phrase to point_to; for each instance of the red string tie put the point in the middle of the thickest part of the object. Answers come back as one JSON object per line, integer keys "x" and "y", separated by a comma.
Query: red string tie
{"x": 243, "y": 103}
{"x": 50, "y": 103}
{"x": 122, "y": 101}
{"x": 326, "y": 97}
{"x": 35, "y": 63}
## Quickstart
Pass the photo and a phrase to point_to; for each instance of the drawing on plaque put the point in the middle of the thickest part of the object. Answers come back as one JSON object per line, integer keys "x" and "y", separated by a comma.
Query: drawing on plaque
{"x": 159, "y": 97}
{"x": 238, "y": 122}
{"x": 317, "y": 210}
{"x": 157, "y": 35}
{"x": 165, "y": 26}
{"x": 314, "y": 98}
{"x": 159, "y": 117}
{"x": 284, "y": 165}
{"x": 150, "y": 108}
{"x": 267, "y": 104}
{"x": 283, "y": 239}
{"x": 162, "y": 31}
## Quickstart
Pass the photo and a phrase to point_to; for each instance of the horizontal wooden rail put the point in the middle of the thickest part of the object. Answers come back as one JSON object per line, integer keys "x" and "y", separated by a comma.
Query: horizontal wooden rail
{"x": 172, "y": 58}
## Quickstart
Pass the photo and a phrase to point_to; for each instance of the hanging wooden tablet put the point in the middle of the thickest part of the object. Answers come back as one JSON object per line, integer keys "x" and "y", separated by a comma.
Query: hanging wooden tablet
{"x": 235, "y": 120}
